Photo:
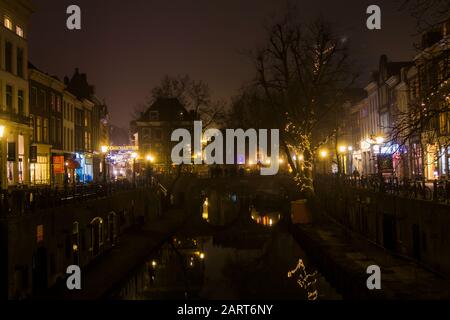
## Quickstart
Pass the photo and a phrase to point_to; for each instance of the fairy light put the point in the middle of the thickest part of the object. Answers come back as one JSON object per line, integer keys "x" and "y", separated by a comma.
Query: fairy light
{"x": 305, "y": 280}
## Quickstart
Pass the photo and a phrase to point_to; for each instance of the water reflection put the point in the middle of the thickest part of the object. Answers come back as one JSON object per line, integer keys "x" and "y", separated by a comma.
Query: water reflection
{"x": 266, "y": 219}
{"x": 229, "y": 265}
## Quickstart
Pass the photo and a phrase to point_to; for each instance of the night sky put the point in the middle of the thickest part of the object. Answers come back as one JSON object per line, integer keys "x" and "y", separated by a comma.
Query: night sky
{"x": 126, "y": 47}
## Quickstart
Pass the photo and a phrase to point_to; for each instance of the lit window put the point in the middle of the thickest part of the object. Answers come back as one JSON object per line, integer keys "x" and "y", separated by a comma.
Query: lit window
{"x": 40, "y": 233}
{"x": 19, "y": 31}
{"x": 8, "y": 23}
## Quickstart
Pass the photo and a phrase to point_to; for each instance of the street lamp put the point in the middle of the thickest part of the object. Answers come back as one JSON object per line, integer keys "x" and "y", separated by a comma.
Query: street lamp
{"x": 134, "y": 155}
{"x": 323, "y": 154}
{"x": 379, "y": 140}
{"x": 104, "y": 150}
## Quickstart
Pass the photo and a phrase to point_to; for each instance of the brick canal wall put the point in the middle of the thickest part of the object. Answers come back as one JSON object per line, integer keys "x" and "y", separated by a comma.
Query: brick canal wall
{"x": 418, "y": 229}
{"x": 37, "y": 247}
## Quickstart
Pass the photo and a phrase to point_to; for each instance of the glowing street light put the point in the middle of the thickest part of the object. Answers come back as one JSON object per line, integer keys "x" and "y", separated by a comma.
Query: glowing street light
{"x": 342, "y": 149}
{"x": 2, "y": 131}
{"x": 323, "y": 154}
{"x": 379, "y": 140}
{"x": 104, "y": 149}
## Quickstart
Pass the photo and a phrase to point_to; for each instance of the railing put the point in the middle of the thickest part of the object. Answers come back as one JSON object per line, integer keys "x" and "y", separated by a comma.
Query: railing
{"x": 437, "y": 190}
{"x": 25, "y": 200}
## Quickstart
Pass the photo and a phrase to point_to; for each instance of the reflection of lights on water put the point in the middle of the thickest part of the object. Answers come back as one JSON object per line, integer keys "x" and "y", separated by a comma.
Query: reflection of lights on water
{"x": 305, "y": 280}
{"x": 266, "y": 220}
{"x": 205, "y": 211}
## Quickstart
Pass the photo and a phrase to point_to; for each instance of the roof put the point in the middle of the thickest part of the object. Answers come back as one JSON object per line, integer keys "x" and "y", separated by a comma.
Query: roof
{"x": 169, "y": 109}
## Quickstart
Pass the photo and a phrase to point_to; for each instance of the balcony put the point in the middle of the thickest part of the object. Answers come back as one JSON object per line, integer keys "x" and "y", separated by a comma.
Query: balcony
{"x": 14, "y": 117}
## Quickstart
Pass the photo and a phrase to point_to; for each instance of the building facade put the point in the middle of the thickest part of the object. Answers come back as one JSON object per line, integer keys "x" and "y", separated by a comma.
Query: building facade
{"x": 14, "y": 92}
{"x": 155, "y": 126}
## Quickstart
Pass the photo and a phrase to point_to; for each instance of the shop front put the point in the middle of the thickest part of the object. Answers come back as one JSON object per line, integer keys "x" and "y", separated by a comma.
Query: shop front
{"x": 85, "y": 173}
{"x": 40, "y": 164}
{"x": 58, "y": 169}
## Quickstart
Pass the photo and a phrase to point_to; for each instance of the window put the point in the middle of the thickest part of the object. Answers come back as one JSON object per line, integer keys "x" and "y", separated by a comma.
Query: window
{"x": 8, "y": 23}
{"x": 58, "y": 103}
{"x": 52, "y": 130}
{"x": 154, "y": 115}
{"x": 19, "y": 31}
{"x": 34, "y": 96}
{"x": 58, "y": 130}
{"x": 32, "y": 126}
{"x": 42, "y": 100}
{"x": 40, "y": 233}
{"x": 65, "y": 138}
{"x": 156, "y": 134}
{"x": 21, "y": 153}
{"x": 8, "y": 56}
{"x": 45, "y": 133}
{"x": 52, "y": 101}
{"x": 38, "y": 129}
{"x": 442, "y": 122}
{"x": 9, "y": 98}
{"x": 39, "y": 171}
{"x": 20, "y": 102}
{"x": 20, "y": 62}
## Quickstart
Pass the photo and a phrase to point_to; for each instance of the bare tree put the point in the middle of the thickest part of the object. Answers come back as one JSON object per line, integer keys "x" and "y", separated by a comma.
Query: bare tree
{"x": 194, "y": 95}
{"x": 303, "y": 71}
{"x": 427, "y": 13}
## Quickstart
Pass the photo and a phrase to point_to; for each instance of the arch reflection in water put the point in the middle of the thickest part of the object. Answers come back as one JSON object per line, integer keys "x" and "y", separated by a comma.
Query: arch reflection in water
{"x": 266, "y": 219}
{"x": 227, "y": 265}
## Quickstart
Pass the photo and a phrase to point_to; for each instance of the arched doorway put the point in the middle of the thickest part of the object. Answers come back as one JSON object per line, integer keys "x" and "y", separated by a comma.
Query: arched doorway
{"x": 96, "y": 235}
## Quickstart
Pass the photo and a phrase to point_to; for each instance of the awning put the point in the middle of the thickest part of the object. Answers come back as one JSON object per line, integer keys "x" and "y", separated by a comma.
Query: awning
{"x": 72, "y": 164}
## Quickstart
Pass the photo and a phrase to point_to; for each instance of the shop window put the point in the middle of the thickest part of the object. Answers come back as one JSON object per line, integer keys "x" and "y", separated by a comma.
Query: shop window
{"x": 39, "y": 171}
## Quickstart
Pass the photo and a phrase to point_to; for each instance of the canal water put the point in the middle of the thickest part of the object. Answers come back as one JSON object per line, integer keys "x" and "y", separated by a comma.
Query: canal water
{"x": 254, "y": 259}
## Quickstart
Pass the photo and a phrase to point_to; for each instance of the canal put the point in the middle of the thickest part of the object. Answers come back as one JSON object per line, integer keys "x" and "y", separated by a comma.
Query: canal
{"x": 242, "y": 253}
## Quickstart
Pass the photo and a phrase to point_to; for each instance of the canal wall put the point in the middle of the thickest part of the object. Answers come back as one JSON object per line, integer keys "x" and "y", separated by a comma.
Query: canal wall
{"x": 417, "y": 229}
{"x": 37, "y": 247}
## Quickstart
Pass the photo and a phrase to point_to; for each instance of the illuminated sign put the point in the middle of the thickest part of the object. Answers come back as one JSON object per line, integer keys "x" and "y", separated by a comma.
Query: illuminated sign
{"x": 58, "y": 164}
{"x": 123, "y": 148}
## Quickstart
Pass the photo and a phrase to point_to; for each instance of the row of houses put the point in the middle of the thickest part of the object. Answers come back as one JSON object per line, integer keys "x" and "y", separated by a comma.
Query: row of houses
{"x": 51, "y": 131}
{"x": 401, "y": 126}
